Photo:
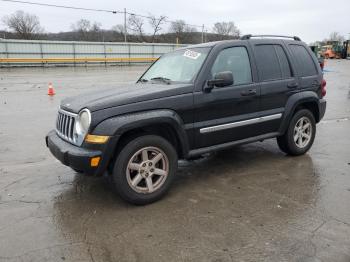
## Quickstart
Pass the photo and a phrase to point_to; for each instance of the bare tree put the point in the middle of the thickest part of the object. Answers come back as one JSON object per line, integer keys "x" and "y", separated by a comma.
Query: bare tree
{"x": 182, "y": 30}
{"x": 156, "y": 25}
{"x": 25, "y": 25}
{"x": 335, "y": 36}
{"x": 226, "y": 29}
{"x": 95, "y": 27}
{"x": 178, "y": 27}
{"x": 136, "y": 24}
{"x": 82, "y": 27}
{"x": 118, "y": 32}
{"x": 86, "y": 30}
{"x": 118, "y": 29}
{"x": 95, "y": 32}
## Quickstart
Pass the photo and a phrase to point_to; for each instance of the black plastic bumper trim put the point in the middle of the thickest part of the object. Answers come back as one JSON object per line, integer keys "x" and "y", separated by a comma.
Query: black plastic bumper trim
{"x": 70, "y": 155}
{"x": 322, "y": 108}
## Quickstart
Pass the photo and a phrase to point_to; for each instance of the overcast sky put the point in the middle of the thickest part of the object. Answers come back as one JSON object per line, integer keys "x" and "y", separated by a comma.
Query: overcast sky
{"x": 310, "y": 19}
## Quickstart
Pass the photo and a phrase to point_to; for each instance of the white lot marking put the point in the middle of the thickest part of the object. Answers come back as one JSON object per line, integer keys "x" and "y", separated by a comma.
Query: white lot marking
{"x": 335, "y": 120}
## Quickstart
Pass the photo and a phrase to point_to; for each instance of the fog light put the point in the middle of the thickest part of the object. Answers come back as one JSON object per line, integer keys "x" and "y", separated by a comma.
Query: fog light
{"x": 95, "y": 161}
{"x": 96, "y": 139}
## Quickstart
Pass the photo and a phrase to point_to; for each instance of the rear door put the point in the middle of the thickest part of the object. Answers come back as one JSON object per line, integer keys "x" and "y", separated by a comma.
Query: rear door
{"x": 278, "y": 81}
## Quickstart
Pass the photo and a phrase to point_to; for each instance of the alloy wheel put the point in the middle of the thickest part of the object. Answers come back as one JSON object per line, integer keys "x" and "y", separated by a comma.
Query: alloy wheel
{"x": 302, "y": 132}
{"x": 147, "y": 170}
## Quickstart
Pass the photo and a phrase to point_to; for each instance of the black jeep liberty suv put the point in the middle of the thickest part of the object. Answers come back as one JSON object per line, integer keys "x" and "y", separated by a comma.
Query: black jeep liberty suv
{"x": 194, "y": 100}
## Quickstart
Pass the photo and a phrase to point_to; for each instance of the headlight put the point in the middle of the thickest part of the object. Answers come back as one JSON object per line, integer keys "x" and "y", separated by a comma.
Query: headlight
{"x": 82, "y": 125}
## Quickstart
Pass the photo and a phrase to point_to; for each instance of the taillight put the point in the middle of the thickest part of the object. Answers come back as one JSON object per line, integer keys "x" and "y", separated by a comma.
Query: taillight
{"x": 323, "y": 87}
{"x": 322, "y": 65}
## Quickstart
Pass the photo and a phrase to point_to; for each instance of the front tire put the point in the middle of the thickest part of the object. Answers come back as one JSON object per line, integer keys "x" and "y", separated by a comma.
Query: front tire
{"x": 300, "y": 134}
{"x": 144, "y": 169}
{"x": 77, "y": 170}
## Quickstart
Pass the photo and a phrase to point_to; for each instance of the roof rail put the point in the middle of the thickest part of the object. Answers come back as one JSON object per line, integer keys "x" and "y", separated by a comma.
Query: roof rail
{"x": 246, "y": 37}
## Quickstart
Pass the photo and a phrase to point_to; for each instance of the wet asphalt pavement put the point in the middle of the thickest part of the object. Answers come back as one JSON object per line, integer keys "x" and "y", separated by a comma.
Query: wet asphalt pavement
{"x": 249, "y": 203}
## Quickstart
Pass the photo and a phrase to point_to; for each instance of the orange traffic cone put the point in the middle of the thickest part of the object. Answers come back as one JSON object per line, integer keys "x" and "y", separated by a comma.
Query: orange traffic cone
{"x": 51, "y": 91}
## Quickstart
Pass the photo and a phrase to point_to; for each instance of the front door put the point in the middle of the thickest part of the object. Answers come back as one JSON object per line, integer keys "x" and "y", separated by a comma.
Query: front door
{"x": 228, "y": 113}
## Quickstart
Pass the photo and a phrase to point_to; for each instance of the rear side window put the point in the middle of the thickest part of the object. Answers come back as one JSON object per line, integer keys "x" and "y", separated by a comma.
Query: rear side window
{"x": 304, "y": 60}
{"x": 272, "y": 62}
{"x": 236, "y": 60}
{"x": 283, "y": 60}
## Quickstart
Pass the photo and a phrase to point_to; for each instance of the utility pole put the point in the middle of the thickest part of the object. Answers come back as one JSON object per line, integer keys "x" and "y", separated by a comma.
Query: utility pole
{"x": 203, "y": 33}
{"x": 125, "y": 32}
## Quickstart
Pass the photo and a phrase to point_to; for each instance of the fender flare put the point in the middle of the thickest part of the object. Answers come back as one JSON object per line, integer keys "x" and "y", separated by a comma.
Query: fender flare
{"x": 292, "y": 103}
{"x": 118, "y": 125}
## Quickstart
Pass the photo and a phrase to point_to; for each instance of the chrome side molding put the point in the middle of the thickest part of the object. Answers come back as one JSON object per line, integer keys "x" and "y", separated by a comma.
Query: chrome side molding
{"x": 240, "y": 123}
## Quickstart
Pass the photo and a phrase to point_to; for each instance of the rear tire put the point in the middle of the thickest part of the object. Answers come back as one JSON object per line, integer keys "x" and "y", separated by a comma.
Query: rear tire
{"x": 144, "y": 169}
{"x": 300, "y": 134}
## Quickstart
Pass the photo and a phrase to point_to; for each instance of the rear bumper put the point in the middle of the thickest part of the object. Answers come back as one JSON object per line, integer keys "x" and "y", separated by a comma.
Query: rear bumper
{"x": 322, "y": 108}
{"x": 78, "y": 158}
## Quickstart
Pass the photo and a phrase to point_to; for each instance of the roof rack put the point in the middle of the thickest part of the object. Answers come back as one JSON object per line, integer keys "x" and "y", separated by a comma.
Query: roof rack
{"x": 246, "y": 37}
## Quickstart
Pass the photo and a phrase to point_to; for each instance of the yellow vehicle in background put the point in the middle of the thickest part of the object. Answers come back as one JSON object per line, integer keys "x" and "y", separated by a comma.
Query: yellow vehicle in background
{"x": 328, "y": 52}
{"x": 333, "y": 49}
{"x": 346, "y": 51}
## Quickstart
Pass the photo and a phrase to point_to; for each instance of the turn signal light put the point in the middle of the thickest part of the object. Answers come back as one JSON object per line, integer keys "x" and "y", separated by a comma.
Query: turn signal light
{"x": 95, "y": 161}
{"x": 96, "y": 139}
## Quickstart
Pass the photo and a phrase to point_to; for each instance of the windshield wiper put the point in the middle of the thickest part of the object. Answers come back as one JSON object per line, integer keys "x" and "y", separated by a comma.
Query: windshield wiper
{"x": 142, "y": 80}
{"x": 163, "y": 79}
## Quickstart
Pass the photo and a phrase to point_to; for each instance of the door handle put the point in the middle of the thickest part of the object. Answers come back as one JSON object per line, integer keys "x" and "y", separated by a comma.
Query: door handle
{"x": 250, "y": 92}
{"x": 292, "y": 85}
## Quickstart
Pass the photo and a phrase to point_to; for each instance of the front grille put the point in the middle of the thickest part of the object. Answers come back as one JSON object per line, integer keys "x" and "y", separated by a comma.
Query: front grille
{"x": 65, "y": 125}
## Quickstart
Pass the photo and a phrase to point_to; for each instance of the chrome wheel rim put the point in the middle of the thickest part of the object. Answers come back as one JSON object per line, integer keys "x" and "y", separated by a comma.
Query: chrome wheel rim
{"x": 302, "y": 132}
{"x": 147, "y": 170}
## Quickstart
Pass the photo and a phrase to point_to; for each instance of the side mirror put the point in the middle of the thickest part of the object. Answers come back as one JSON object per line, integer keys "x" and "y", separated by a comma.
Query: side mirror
{"x": 221, "y": 79}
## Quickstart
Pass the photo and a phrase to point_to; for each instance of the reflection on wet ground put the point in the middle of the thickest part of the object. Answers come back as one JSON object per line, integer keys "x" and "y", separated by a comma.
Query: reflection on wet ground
{"x": 249, "y": 203}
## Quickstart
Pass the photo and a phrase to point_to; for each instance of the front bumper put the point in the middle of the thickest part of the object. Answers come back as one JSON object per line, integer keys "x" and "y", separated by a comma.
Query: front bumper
{"x": 77, "y": 157}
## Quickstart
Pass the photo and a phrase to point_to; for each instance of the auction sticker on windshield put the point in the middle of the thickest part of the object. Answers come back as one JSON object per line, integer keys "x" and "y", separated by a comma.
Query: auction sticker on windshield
{"x": 192, "y": 54}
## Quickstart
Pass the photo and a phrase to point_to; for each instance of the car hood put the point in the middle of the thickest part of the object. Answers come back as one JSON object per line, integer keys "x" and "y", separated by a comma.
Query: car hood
{"x": 118, "y": 96}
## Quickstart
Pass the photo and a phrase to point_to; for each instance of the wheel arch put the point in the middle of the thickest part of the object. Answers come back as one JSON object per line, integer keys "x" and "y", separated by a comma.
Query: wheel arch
{"x": 165, "y": 123}
{"x": 303, "y": 100}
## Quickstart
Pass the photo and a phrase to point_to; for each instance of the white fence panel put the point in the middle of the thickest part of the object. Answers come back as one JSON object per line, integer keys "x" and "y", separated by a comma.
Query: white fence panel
{"x": 42, "y": 53}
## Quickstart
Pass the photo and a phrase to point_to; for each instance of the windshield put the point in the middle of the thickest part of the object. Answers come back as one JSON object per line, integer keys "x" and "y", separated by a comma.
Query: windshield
{"x": 179, "y": 66}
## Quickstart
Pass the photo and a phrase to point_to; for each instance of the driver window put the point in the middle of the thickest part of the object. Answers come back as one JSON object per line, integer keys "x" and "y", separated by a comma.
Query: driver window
{"x": 236, "y": 60}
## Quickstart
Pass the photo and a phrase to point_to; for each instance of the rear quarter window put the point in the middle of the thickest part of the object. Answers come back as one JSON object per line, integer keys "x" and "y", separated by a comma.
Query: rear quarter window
{"x": 305, "y": 63}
